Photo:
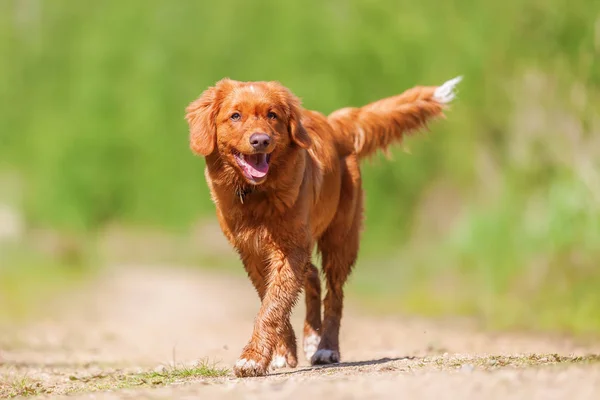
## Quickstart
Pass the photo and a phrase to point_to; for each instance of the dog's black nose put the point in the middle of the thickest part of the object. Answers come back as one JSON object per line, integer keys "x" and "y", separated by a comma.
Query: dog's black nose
{"x": 260, "y": 141}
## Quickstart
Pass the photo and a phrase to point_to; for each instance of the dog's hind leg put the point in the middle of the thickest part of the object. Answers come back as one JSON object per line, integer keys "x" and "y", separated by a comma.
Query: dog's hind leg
{"x": 339, "y": 249}
{"x": 312, "y": 323}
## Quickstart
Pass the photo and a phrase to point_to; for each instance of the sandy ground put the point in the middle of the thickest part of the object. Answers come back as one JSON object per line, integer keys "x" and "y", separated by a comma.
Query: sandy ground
{"x": 131, "y": 320}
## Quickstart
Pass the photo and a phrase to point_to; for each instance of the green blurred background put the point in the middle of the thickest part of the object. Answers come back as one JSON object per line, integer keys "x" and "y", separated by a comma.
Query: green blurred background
{"x": 495, "y": 214}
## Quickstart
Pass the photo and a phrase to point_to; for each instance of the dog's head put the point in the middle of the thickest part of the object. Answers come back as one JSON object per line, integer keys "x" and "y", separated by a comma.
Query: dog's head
{"x": 251, "y": 125}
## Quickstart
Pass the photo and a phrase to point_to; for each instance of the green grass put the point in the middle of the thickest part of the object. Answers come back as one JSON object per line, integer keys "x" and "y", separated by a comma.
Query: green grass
{"x": 19, "y": 387}
{"x": 539, "y": 296}
{"x": 23, "y": 386}
{"x": 29, "y": 278}
{"x": 107, "y": 141}
{"x": 167, "y": 376}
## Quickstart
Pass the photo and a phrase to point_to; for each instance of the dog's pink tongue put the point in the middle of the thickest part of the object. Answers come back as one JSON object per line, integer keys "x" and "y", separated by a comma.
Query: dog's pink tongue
{"x": 258, "y": 165}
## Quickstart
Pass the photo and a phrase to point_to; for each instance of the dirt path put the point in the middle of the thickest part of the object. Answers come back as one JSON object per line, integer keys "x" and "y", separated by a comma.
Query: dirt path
{"x": 114, "y": 332}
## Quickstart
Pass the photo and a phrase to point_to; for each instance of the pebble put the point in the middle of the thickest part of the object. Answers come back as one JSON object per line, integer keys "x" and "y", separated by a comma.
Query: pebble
{"x": 467, "y": 368}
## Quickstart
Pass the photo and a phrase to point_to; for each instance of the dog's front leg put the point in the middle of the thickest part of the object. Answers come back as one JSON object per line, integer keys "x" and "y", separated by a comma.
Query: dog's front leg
{"x": 287, "y": 270}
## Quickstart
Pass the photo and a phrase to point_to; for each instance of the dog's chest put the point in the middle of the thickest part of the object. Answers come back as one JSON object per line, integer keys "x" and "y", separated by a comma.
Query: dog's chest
{"x": 246, "y": 235}
{"x": 257, "y": 227}
{"x": 251, "y": 240}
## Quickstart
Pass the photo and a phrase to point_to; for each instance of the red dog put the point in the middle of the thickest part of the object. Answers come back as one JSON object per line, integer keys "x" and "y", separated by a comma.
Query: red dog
{"x": 284, "y": 180}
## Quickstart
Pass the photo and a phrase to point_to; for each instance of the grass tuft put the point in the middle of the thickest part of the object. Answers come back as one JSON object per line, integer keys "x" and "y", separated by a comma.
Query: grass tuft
{"x": 166, "y": 376}
{"x": 19, "y": 387}
{"x": 22, "y": 386}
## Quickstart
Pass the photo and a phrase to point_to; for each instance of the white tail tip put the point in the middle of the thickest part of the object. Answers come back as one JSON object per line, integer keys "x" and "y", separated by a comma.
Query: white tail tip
{"x": 447, "y": 92}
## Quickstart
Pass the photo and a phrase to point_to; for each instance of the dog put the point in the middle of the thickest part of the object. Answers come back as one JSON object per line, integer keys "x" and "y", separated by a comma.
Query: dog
{"x": 286, "y": 180}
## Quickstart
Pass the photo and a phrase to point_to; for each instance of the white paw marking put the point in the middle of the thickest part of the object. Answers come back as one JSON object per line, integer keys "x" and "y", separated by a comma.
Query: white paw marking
{"x": 446, "y": 93}
{"x": 245, "y": 368}
{"x": 325, "y": 356}
{"x": 278, "y": 362}
{"x": 311, "y": 343}
{"x": 246, "y": 364}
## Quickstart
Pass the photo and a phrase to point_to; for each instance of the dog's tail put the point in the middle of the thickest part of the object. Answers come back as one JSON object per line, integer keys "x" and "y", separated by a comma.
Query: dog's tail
{"x": 384, "y": 122}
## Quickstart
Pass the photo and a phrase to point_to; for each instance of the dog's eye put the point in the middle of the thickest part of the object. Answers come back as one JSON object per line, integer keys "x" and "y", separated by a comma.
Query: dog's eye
{"x": 235, "y": 117}
{"x": 271, "y": 115}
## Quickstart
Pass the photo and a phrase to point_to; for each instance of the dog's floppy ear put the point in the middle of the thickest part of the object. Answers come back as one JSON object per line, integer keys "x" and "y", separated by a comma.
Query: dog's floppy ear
{"x": 297, "y": 131}
{"x": 201, "y": 115}
{"x": 299, "y": 134}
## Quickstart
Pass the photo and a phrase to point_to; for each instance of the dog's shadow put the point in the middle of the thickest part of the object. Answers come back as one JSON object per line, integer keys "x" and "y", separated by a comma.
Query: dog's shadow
{"x": 342, "y": 365}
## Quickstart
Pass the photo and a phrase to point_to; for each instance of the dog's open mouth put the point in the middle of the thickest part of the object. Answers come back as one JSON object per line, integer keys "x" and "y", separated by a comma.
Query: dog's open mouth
{"x": 254, "y": 166}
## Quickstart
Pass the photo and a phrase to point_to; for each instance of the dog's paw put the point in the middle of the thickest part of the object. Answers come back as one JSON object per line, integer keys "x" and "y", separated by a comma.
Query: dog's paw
{"x": 324, "y": 356}
{"x": 247, "y": 368}
{"x": 311, "y": 344}
{"x": 278, "y": 362}
{"x": 281, "y": 360}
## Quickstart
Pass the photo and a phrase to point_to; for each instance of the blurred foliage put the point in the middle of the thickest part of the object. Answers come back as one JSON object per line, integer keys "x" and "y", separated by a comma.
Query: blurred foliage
{"x": 93, "y": 95}
{"x": 30, "y": 279}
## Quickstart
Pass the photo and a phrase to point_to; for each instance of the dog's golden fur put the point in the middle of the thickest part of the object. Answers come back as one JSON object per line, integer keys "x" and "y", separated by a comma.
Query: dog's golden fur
{"x": 301, "y": 189}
